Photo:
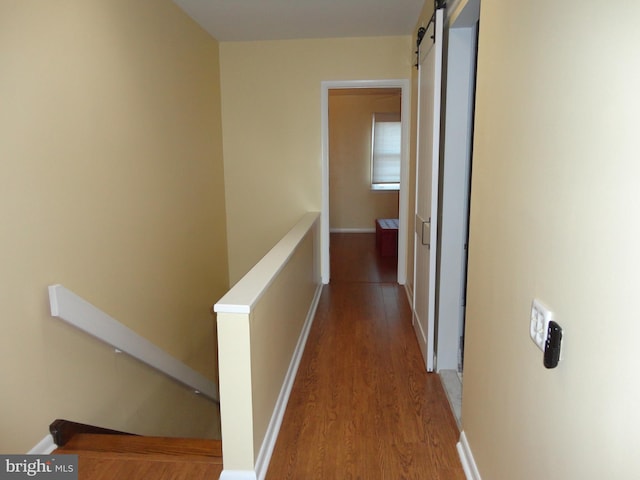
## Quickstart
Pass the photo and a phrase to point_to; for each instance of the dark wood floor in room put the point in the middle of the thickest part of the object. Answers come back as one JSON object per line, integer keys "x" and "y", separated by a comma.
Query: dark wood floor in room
{"x": 363, "y": 405}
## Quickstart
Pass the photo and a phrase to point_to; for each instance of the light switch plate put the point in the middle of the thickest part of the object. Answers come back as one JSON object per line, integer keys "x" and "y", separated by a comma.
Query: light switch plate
{"x": 541, "y": 315}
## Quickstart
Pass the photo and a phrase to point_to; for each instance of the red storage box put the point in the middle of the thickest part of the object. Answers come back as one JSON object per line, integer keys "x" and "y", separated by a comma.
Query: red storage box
{"x": 387, "y": 236}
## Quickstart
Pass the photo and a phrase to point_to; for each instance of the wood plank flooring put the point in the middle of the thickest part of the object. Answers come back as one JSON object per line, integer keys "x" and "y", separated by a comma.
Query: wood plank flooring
{"x": 363, "y": 406}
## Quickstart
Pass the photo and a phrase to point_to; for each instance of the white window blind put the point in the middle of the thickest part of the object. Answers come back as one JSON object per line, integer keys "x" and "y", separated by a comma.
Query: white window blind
{"x": 385, "y": 151}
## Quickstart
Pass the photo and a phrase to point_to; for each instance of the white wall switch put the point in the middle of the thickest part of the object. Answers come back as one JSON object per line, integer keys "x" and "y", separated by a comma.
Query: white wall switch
{"x": 540, "y": 318}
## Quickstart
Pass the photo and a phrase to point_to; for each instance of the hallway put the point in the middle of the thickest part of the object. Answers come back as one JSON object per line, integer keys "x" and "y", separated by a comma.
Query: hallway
{"x": 362, "y": 405}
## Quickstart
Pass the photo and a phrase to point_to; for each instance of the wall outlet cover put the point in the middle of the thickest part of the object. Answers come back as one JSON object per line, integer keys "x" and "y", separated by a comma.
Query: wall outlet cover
{"x": 541, "y": 315}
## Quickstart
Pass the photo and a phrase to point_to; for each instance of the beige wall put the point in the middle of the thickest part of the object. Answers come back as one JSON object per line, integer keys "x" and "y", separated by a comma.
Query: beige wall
{"x": 352, "y": 203}
{"x": 271, "y": 127}
{"x": 554, "y": 203}
{"x": 111, "y": 183}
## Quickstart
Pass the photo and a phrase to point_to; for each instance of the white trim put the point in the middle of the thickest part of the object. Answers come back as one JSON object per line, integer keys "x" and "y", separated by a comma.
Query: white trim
{"x": 409, "y": 292}
{"x": 271, "y": 436}
{"x": 353, "y": 230}
{"x": 403, "y": 219}
{"x": 76, "y": 311}
{"x": 238, "y": 475}
{"x": 423, "y": 343}
{"x": 435, "y": 190}
{"x": 231, "y": 308}
{"x": 325, "y": 270}
{"x": 44, "y": 446}
{"x": 466, "y": 458}
{"x": 403, "y": 201}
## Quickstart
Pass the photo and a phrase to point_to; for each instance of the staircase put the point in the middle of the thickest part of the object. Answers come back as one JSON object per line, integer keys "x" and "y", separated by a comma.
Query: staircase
{"x": 130, "y": 457}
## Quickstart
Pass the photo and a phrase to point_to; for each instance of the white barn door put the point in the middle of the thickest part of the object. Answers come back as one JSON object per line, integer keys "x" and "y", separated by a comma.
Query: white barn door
{"x": 426, "y": 208}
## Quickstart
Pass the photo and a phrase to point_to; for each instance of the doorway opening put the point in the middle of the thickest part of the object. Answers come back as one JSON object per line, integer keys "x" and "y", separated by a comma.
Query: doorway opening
{"x": 461, "y": 33}
{"x": 365, "y": 87}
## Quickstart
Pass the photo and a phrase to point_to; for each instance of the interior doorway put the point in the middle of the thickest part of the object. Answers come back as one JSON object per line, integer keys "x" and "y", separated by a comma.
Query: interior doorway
{"x": 364, "y": 157}
{"x": 366, "y": 85}
{"x": 461, "y": 34}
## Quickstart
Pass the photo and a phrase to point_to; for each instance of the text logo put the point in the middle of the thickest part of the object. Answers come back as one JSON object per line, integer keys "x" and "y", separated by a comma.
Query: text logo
{"x": 50, "y": 467}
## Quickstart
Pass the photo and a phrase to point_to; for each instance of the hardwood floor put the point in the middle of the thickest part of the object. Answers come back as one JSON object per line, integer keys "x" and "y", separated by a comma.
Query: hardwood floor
{"x": 354, "y": 259}
{"x": 363, "y": 406}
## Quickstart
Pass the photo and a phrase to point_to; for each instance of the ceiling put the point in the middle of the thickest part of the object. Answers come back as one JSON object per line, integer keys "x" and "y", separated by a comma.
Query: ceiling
{"x": 248, "y": 20}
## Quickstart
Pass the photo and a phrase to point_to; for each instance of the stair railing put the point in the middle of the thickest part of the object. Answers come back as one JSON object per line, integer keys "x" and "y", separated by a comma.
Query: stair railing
{"x": 78, "y": 312}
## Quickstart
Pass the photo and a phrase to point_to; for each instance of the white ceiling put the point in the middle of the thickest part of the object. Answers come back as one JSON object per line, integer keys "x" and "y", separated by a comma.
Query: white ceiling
{"x": 244, "y": 20}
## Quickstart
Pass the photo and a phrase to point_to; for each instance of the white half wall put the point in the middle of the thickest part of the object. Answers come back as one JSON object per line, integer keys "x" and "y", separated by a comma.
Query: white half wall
{"x": 263, "y": 323}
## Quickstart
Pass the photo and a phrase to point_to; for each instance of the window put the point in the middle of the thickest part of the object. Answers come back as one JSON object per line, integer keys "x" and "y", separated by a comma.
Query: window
{"x": 385, "y": 151}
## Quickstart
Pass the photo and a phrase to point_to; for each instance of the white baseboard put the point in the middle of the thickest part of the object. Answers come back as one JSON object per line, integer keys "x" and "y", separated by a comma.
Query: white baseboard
{"x": 353, "y": 230}
{"x": 44, "y": 446}
{"x": 269, "y": 443}
{"x": 237, "y": 475}
{"x": 466, "y": 458}
{"x": 421, "y": 335}
{"x": 409, "y": 292}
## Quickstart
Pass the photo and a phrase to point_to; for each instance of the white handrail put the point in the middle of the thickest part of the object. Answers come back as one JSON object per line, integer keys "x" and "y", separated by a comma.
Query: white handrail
{"x": 76, "y": 311}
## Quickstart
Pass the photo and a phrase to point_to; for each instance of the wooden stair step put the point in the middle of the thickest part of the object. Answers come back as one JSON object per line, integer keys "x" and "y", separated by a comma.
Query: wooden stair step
{"x": 105, "y": 457}
{"x": 144, "y": 445}
{"x": 155, "y": 457}
{"x": 100, "y": 467}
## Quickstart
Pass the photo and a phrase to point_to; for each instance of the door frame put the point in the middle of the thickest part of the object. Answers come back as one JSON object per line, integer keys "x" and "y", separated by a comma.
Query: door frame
{"x": 405, "y": 87}
{"x": 461, "y": 30}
